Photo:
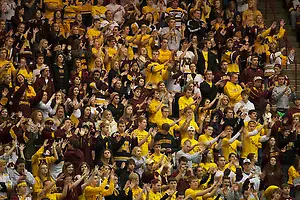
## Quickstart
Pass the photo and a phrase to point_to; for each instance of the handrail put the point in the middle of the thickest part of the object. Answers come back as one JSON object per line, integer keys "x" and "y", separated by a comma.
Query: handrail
{"x": 287, "y": 42}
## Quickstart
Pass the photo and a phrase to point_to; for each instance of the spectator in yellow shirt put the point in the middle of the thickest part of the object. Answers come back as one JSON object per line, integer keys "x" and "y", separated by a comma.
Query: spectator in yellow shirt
{"x": 155, "y": 108}
{"x": 191, "y": 137}
{"x": 158, "y": 158}
{"x": 249, "y": 16}
{"x": 154, "y": 193}
{"x": 187, "y": 100}
{"x": 151, "y": 8}
{"x": 233, "y": 90}
{"x": 197, "y": 194}
{"x": 155, "y": 71}
{"x": 187, "y": 120}
{"x": 210, "y": 142}
{"x": 251, "y": 139}
{"x": 164, "y": 53}
{"x": 165, "y": 111}
{"x": 145, "y": 142}
{"x": 93, "y": 191}
{"x": 94, "y": 32}
{"x": 230, "y": 144}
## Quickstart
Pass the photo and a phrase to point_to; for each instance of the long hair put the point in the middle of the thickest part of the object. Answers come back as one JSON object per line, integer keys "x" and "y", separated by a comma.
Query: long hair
{"x": 64, "y": 169}
{"x": 111, "y": 159}
{"x": 48, "y": 176}
{"x": 273, "y": 169}
{"x": 34, "y": 116}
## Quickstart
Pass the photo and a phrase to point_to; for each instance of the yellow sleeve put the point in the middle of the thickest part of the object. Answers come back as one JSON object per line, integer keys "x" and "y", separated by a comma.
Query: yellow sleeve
{"x": 231, "y": 92}
{"x": 201, "y": 139}
{"x": 191, "y": 192}
{"x": 13, "y": 134}
{"x": 95, "y": 190}
{"x": 50, "y": 159}
{"x": 144, "y": 10}
{"x": 38, "y": 186}
{"x": 12, "y": 68}
{"x": 280, "y": 34}
{"x": 181, "y": 103}
{"x": 265, "y": 33}
{"x": 176, "y": 127}
{"x": 155, "y": 68}
{"x": 37, "y": 155}
{"x": 165, "y": 74}
{"x": 152, "y": 107}
{"x": 110, "y": 190}
{"x": 225, "y": 141}
{"x": 244, "y": 16}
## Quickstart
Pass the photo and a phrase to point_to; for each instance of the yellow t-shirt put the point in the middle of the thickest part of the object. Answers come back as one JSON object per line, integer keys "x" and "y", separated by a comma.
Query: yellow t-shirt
{"x": 147, "y": 9}
{"x": 111, "y": 53}
{"x": 250, "y": 145}
{"x": 130, "y": 50}
{"x": 204, "y": 138}
{"x": 9, "y": 71}
{"x": 53, "y": 196}
{"x": 193, "y": 194}
{"x": 94, "y": 193}
{"x": 29, "y": 92}
{"x": 206, "y": 166}
{"x": 164, "y": 55}
{"x": 148, "y": 46}
{"x": 26, "y": 74}
{"x": 157, "y": 158}
{"x": 155, "y": 73}
{"x": 205, "y": 56}
{"x": 135, "y": 193}
{"x": 155, "y": 196}
{"x": 233, "y": 91}
{"x": 94, "y": 34}
{"x": 155, "y": 116}
{"x": 193, "y": 142}
{"x": 140, "y": 136}
{"x": 227, "y": 148}
{"x": 184, "y": 102}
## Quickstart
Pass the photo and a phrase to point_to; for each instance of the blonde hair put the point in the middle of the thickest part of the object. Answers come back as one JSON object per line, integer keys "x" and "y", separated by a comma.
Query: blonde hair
{"x": 133, "y": 176}
{"x": 134, "y": 150}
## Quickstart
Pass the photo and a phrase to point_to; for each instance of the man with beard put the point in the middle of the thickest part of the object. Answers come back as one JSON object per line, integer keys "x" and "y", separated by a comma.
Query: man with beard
{"x": 96, "y": 85}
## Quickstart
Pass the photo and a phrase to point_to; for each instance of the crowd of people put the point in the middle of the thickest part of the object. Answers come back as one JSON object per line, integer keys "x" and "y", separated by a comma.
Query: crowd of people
{"x": 146, "y": 100}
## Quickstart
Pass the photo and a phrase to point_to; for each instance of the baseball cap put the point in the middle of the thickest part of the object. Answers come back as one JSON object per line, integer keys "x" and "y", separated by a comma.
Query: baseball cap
{"x": 257, "y": 78}
{"x": 246, "y": 161}
{"x": 191, "y": 128}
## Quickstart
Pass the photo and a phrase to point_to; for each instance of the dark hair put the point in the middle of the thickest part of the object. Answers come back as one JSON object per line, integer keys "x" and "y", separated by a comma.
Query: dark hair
{"x": 75, "y": 143}
{"x": 251, "y": 156}
{"x": 183, "y": 159}
{"x": 165, "y": 127}
{"x": 130, "y": 161}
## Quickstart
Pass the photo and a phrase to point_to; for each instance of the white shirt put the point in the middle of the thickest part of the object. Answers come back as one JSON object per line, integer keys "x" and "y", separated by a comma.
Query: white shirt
{"x": 8, "y": 9}
{"x": 118, "y": 17}
{"x": 245, "y": 107}
{"x": 108, "y": 31}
